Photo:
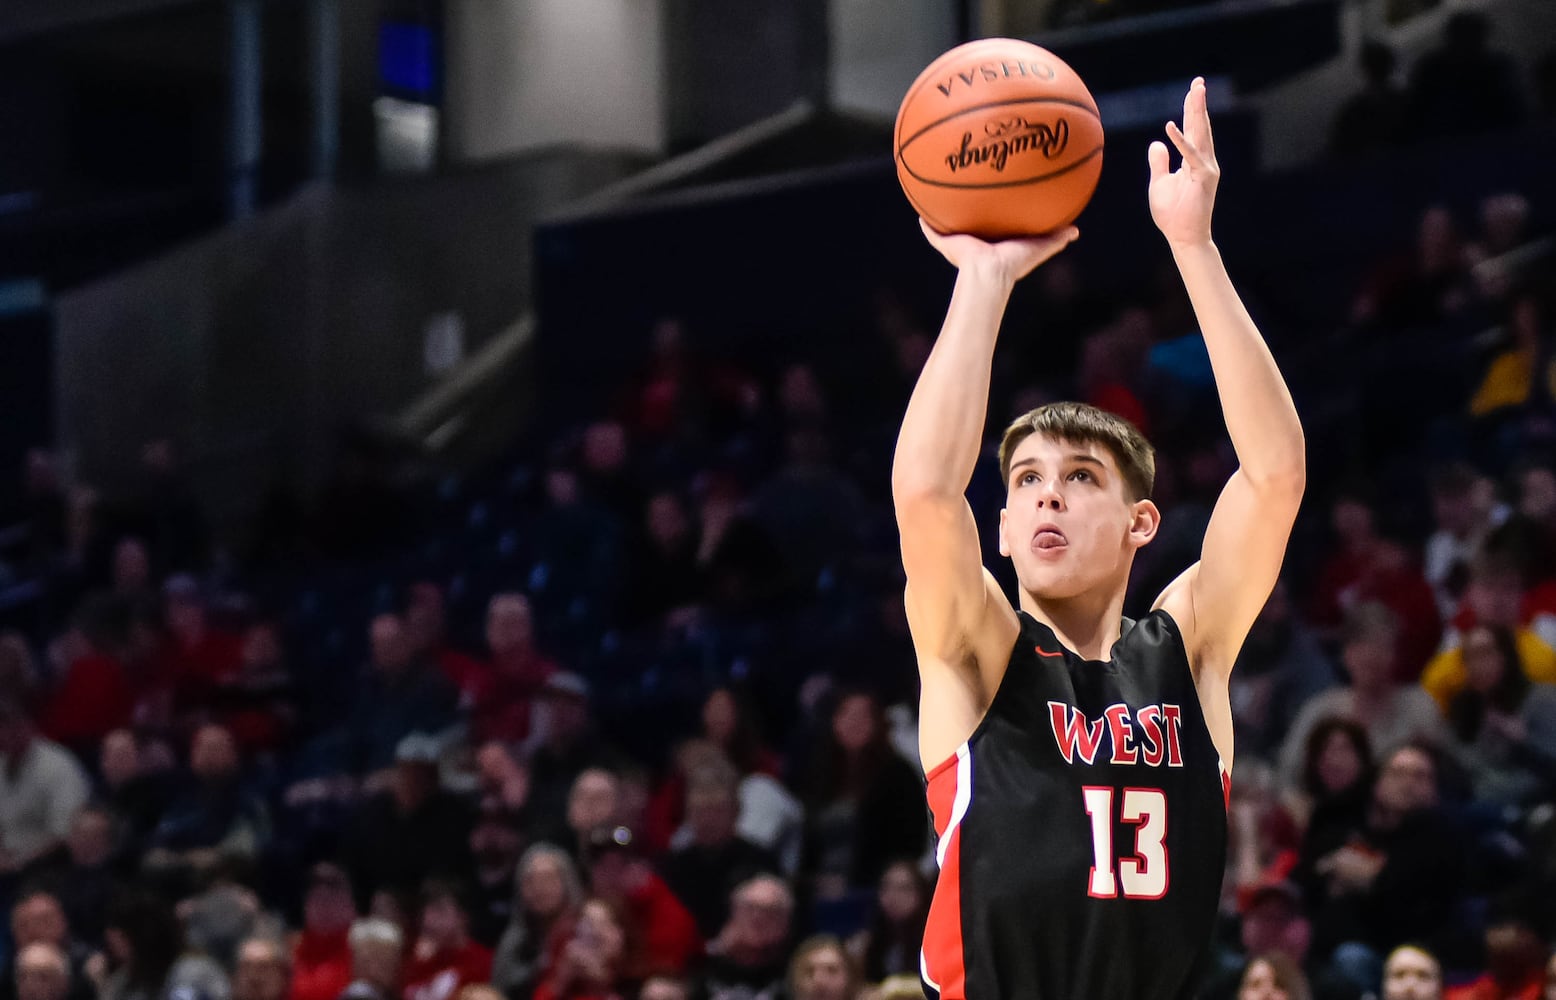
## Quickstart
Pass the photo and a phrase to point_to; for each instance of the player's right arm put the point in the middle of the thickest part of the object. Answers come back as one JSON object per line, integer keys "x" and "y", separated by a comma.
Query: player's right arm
{"x": 962, "y": 625}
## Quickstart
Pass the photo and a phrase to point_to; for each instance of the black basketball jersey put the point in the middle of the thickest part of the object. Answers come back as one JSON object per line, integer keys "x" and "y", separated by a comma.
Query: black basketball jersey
{"x": 1081, "y": 829}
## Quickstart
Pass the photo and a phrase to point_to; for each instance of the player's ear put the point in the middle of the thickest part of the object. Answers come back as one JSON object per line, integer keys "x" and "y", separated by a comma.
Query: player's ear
{"x": 1142, "y": 527}
{"x": 1004, "y": 549}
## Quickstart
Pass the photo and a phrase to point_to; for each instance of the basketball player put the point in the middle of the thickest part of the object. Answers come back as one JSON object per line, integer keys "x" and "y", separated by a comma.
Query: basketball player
{"x": 1077, "y": 762}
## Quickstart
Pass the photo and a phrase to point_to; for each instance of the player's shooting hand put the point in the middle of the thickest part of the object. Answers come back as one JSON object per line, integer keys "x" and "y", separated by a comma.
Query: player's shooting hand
{"x": 1181, "y": 200}
{"x": 1007, "y": 261}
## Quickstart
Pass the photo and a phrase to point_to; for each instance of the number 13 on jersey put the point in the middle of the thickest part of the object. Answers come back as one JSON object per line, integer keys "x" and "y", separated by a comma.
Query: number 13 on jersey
{"x": 1144, "y": 874}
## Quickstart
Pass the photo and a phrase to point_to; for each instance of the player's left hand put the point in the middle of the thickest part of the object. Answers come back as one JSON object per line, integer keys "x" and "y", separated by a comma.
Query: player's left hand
{"x": 1181, "y": 200}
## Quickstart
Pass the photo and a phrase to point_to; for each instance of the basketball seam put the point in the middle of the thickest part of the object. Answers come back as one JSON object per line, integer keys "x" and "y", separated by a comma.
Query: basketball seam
{"x": 998, "y": 104}
{"x": 1004, "y": 184}
{"x": 933, "y": 222}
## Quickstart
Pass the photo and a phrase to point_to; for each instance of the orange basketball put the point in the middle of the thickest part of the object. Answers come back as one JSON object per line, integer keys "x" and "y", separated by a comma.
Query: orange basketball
{"x": 998, "y": 138}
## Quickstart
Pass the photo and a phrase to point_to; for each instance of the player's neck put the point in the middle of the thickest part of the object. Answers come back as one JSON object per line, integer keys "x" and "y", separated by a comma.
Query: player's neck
{"x": 1087, "y": 624}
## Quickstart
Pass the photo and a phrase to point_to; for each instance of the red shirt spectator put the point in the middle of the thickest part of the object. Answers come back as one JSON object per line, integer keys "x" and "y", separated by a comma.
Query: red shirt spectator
{"x": 321, "y": 954}
{"x": 445, "y": 959}
{"x": 667, "y": 930}
{"x": 92, "y": 700}
{"x": 504, "y": 694}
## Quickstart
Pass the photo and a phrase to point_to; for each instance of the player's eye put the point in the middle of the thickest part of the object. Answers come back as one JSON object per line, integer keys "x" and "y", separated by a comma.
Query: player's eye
{"x": 1081, "y": 476}
{"x": 1027, "y": 479}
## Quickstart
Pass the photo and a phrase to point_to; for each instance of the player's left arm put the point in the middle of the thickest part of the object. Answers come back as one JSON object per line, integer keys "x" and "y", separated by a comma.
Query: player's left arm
{"x": 1217, "y": 599}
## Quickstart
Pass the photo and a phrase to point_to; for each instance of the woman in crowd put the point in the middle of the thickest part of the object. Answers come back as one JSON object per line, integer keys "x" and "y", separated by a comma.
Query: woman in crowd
{"x": 1504, "y": 725}
{"x": 547, "y": 892}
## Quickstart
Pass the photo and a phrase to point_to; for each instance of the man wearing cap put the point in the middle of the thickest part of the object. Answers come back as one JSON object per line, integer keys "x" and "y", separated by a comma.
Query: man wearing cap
{"x": 413, "y": 829}
{"x": 565, "y": 743}
{"x": 618, "y": 874}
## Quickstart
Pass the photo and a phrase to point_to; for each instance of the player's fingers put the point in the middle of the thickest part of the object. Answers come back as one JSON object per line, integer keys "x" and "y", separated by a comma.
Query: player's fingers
{"x": 1156, "y": 156}
{"x": 1191, "y": 154}
{"x": 1198, "y": 126}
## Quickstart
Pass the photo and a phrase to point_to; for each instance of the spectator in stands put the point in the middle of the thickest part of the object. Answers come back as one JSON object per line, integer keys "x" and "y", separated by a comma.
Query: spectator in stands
{"x": 215, "y": 815}
{"x": 41, "y": 788}
{"x": 1504, "y": 725}
{"x": 605, "y": 470}
{"x": 567, "y": 743}
{"x": 595, "y": 800}
{"x": 258, "y": 703}
{"x": 146, "y": 959}
{"x": 426, "y": 628}
{"x": 83, "y": 875}
{"x": 1337, "y": 768}
{"x": 1370, "y": 567}
{"x": 1465, "y": 512}
{"x": 617, "y": 874}
{"x": 666, "y": 576}
{"x": 94, "y": 695}
{"x": 1412, "y": 973}
{"x": 729, "y": 723}
{"x": 402, "y": 695}
{"x": 1522, "y": 373}
{"x": 600, "y": 960}
{"x": 890, "y": 945}
{"x": 321, "y": 953}
{"x": 134, "y": 788}
{"x": 820, "y": 970}
{"x": 1280, "y": 668}
{"x": 1273, "y": 977}
{"x": 38, "y": 920}
{"x": 495, "y": 845}
{"x": 704, "y": 871}
{"x": 1386, "y": 871}
{"x": 1464, "y": 86}
{"x": 197, "y": 656}
{"x": 547, "y": 895}
{"x": 1391, "y": 712}
{"x": 42, "y": 973}
{"x": 1423, "y": 290}
{"x": 864, "y": 803}
{"x": 1515, "y": 966}
{"x": 503, "y": 693}
{"x": 749, "y": 957}
{"x": 1494, "y": 597}
{"x": 413, "y": 830}
{"x": 263, "y": 971}
{"x": 1528, "y": 538}
{"x": 377, "y": 953}
{"x": 445, "y": 958}
{"x": 1376, "y": 117}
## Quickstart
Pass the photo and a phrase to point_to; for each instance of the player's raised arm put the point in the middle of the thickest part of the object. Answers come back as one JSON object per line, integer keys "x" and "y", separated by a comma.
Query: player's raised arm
{"x": 1216, "y": 601}
{"x": 939, "y": 442}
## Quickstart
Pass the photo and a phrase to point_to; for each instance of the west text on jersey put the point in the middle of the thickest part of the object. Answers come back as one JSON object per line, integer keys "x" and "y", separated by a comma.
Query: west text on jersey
{"x": 1146, "y": 735}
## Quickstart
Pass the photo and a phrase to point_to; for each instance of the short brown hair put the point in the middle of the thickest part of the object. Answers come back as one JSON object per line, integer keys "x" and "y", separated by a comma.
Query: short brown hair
{"x": 1082, "y": 423}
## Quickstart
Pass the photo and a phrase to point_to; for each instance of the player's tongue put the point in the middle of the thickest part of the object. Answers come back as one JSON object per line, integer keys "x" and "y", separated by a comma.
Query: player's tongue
{"x": 1048, "y": 538}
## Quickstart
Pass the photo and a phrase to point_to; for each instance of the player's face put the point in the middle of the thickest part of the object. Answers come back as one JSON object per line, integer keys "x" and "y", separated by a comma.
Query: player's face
{"x": 1412, "y": 974}
{"x": 1069, "y": 525}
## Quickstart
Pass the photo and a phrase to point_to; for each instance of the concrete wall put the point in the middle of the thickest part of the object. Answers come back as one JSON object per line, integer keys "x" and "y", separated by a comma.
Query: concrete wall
{"x": 879, "y": 47}
{"x": 531, "y": 74}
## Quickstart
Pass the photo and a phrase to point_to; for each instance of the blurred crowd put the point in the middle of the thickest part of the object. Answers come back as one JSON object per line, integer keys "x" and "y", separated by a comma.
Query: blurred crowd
{"x": 631, "y": 714}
